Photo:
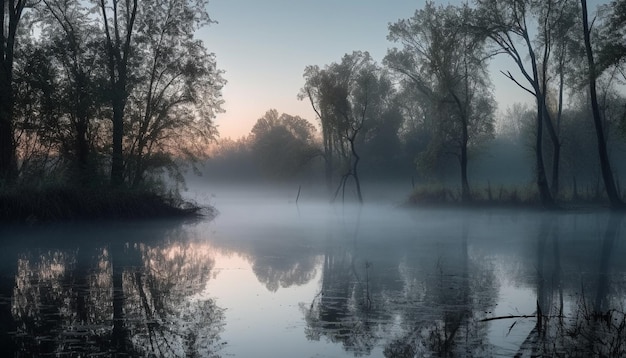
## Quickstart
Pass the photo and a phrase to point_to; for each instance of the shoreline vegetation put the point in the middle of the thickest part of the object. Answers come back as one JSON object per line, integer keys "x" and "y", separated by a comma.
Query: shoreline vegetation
{"x": 437, "y": 196}
{"x": 34, "y": 205}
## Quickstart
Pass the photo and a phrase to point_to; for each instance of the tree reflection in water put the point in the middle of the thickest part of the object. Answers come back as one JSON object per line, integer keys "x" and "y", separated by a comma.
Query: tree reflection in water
{"x": 297, "y": 268}
{"x": 445, "y": 297}
{"x": 64, "y": 301}
{"x": 595, "y": 323}
{"x": 433, "y": 296}
{"x": 412, "y": 302}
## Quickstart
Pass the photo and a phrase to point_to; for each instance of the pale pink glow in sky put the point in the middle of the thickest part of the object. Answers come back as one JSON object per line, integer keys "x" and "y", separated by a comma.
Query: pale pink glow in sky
{"x": 264, "y": 47}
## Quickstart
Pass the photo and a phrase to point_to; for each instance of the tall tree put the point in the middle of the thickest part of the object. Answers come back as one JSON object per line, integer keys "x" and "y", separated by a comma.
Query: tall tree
{"x": 316, "y": 82}
{"x": 118, "y": 24}
{"x": 74, "y": 50}
{"x": 10, "y": 16}
{"x": 605, "y": 164}
{"x": 177, "y": 89}
{"x": 446, "y": 61}
{"x": 507, "y": 23}
{"x": 345, "y": 95}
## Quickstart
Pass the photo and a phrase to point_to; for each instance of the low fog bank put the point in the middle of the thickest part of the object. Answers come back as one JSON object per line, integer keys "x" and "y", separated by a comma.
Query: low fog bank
{"x": 205, "y": 190}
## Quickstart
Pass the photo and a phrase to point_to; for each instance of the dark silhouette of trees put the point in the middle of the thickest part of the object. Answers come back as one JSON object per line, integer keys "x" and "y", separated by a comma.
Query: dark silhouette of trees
{"x": 283, "y": 144}
{"x": 72, "y": 50}
{"x": 137, "y": 64}
{"x": 118, "y": 22}
{"x": 177, "y": 87}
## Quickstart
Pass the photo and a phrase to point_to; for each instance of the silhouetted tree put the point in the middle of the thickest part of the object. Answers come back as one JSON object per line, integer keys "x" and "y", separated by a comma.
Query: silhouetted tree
{"x": 284, "y": 144}
{"x": 176, "y": 91}
{"x": 317, "y": 81}
{"x": 605, "y": 164}
{"x": 118, "y": 18}
{"x": 351, "y": 93}
{"x": 506, "y": 23}
{"x": 73, "y": 50}
{"x": 11, "y": 15}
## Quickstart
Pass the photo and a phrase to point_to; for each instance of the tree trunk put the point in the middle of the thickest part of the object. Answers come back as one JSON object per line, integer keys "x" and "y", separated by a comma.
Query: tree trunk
{"x": 556, "y": 150}
{"x": 10, "y": 14}
{"x": 8, "y": 163}
{"x": 556, "y": 157}
{"x": 82, "y": 152}
{"x": 355, "y": 174}
{"x": 607, "y": 173}
{"x": 117, "y": 159}
{"x": 328, "y": 161}
{"x": 466, "y": 196}
{"x": 82, "y": 144}
{"x": 547, "y": 200}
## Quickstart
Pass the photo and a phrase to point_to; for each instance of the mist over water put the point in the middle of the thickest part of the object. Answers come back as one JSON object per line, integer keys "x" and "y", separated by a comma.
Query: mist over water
{"x": 269, "y": 277}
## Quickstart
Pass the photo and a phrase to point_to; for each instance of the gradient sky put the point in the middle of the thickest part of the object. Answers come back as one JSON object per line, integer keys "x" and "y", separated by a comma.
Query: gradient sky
{"x": 264, "y": 45}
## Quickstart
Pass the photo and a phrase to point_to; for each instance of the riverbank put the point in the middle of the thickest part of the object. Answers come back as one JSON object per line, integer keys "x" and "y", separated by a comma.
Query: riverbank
{"x": 34, "y": 205}
{"x": 508, "y": 198}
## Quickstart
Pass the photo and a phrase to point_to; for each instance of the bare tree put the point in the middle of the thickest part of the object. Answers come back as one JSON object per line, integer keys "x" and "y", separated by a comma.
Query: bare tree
{"x": 605, "y": 165}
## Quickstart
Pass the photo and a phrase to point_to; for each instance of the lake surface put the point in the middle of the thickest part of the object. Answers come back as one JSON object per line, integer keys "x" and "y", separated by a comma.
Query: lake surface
{"x": 272, "y": 278}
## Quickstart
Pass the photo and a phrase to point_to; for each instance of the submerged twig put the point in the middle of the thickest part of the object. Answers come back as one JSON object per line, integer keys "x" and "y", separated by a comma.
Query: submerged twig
{"x": 506, "y": 317}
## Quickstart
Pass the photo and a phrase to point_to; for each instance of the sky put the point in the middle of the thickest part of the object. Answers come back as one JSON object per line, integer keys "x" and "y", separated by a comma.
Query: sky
{"x": 264, "y": 45}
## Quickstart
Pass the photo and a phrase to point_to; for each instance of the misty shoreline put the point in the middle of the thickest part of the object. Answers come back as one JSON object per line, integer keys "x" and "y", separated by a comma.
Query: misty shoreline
{"x": 67, "y": 204}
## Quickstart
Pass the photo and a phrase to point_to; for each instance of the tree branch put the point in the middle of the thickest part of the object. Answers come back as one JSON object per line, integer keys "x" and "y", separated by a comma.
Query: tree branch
{"x": 510, "y": 76}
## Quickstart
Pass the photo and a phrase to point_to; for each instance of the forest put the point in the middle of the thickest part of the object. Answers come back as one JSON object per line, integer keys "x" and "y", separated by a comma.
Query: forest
{"x": 103, "y": 95}
{"x": 427, "y": 113}
{"x": 104, "y": 99}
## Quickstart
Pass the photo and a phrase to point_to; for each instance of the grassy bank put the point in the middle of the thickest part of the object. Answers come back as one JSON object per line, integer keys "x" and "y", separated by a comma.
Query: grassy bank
{"x": 506, "y": 197}
{"x": 45, "y": 204}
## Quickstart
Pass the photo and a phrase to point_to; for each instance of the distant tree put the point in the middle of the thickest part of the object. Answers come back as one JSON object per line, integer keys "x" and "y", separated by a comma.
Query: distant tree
{"x": 381, "y": 144}
{"x": 232, "y": 160}
{"x": 350, "y": 93}
{"x": 283, "y": 144}
{"x": 445, "y": 60}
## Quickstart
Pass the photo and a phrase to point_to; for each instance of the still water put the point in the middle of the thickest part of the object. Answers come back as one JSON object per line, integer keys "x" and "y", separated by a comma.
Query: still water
{"x": 272, "y": 278}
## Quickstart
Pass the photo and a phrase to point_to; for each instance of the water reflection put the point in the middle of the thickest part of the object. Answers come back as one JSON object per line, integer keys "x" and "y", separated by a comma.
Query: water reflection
{"x": 595, "y": 322}
{"x": 437, "y": 295}
{"x": 364, "y": 283}
{"x": 137, "y": 299}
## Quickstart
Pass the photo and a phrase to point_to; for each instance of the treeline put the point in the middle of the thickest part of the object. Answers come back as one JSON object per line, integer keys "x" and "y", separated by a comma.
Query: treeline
{"x": 286, "y": 148}
{"x": 104, "y": 92}
{"x": 430, "y": 107}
